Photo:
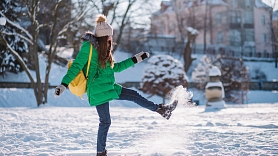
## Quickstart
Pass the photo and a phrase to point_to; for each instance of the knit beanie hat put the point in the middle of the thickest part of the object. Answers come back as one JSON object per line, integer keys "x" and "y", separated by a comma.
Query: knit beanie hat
{"x": 102, "y": 27}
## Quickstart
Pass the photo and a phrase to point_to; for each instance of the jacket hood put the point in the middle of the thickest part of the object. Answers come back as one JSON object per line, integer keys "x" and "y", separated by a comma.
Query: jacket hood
{"x": 90, "y": 37}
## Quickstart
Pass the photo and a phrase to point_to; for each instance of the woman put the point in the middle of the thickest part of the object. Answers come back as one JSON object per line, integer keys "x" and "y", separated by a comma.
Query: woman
{"x": 101, "y": 86}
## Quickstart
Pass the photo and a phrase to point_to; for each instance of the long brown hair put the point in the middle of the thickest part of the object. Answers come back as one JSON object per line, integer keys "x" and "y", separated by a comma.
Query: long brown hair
{"x": 105, "y": 51}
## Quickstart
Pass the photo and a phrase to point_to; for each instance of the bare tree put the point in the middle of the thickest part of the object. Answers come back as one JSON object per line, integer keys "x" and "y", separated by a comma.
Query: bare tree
{"x": 191, "y": 36}
{"x": 32, "y": 37}
{"x": 205, "y": 27}
{"x": 194, "y": 18}
{"x": 123, "y": 13}
{"x": 181, "y": 19}
{"x": 133, "y": 40}
{"x": 76, "y": 29}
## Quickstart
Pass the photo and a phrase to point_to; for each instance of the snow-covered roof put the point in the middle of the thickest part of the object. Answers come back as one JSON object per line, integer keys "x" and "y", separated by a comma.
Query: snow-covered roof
{"x": 166, "y": 3}
{"x": 156, "y": 13}
{"x": 168, "y": 7}
{"x": 209, "y": 2}
{"x": 261, "y": 4}
{"x": 216, "y": 2}
{"x": 214, "y": 71}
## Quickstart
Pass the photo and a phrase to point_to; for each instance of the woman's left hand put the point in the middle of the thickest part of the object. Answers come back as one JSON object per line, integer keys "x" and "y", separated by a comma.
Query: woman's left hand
{"x": 140, "y": 57}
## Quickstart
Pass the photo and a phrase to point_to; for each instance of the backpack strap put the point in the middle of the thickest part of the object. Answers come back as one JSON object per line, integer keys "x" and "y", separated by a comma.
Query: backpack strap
{"x": 89, "y": 60}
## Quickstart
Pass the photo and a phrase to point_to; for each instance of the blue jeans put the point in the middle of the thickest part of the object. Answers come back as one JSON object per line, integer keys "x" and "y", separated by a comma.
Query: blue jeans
{"x": 104, "y": 114}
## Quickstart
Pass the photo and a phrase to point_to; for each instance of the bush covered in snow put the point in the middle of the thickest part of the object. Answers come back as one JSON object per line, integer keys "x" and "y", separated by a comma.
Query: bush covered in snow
{"x": 162, "y": 74}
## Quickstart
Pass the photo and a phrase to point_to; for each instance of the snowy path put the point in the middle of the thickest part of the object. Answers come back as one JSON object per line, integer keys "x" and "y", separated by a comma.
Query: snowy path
{"x": 251, "y": 130}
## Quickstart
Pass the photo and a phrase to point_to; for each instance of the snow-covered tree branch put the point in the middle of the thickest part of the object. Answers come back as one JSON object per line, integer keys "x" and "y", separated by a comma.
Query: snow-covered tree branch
{"x": 17, "y": 26}
{"x": 19, "y": 35}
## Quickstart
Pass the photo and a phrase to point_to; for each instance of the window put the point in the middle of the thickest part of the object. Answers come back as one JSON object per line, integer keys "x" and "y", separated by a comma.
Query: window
{"x": 219, "y": 37}
{"x": 218, "y": 18}
{"x": 264, "y": 37}
{"x": 171, "y": 27}
{"x": 263, "y": 20}
{"x": 249, "y": 35}
{"x": 235, "y": 17}
{"x": 161, "y": 28}
{"x": 234, "y": 2}
{"x": 248, "y": 17}
{"x": 247, "y": 3}
{"x": 265, "y": 53}
{"x": 250, "y": 50}
{"x": 235, "y": 38}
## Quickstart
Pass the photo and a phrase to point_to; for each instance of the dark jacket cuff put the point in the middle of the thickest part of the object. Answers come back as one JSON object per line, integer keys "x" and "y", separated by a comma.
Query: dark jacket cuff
{"x": 134, "y": 59}
{"x": 64, "y": 85}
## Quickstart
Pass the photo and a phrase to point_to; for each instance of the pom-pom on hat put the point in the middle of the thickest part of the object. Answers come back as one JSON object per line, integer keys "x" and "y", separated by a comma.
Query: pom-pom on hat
{"x": 102, "y": 27}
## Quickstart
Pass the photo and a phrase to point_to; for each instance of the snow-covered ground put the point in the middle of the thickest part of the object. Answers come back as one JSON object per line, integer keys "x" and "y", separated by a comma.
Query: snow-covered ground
{"x": 68, "y": 126}
{"x": 245, "y": 130}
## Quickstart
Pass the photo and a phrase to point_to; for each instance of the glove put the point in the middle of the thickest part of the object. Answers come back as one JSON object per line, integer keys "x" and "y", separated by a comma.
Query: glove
{"x": 140, "y": 57}
{"x": 59, "y": 90}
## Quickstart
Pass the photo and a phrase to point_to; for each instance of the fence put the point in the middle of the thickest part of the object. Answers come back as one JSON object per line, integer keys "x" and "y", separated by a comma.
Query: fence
{"x": 19, "y": 85}
{"x": 252, "y": 85}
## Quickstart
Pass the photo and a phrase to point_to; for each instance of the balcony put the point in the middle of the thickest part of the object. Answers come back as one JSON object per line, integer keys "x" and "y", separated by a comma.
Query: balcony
{"x": 235, "y": 25}
{"x": 248, "y": 26}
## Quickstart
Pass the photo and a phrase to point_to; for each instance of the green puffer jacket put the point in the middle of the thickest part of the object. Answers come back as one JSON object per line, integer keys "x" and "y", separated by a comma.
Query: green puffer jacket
{"x": 101, "y": 86}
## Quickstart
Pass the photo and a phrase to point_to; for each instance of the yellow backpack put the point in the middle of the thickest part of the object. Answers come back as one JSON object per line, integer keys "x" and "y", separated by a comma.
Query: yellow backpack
{"x": 79, "y": 83}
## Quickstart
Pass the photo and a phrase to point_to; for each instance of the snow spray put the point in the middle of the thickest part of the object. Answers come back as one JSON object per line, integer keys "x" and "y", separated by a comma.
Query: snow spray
{"x": 183, "y": 96}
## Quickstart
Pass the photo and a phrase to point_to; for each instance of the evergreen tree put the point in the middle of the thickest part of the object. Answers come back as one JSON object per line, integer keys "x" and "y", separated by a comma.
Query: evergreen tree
{"x": 8, "y": 62}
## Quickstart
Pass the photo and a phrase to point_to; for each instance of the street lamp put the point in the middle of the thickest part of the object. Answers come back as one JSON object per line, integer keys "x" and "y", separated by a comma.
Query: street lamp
{"x": 275, "y": 54}
{"x": 2, "y": 21}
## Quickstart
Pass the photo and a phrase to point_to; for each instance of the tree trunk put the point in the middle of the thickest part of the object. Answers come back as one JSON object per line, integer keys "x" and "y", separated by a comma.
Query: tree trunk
{"x": 75, "y": 48}
{"x": 46, "y": 81}
{"x": 188, "y": 50}
{"x": 123, "y": 24}
{"x": 38, "y": 88}
{"x": 163, "y": 98}
{"x": 107, "y": 8}
{"x": 187, "y": 56}
{"x": 205, "y": 28}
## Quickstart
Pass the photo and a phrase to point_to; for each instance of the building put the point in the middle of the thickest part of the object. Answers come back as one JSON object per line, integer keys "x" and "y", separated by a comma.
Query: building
{"x": 233, "y": 27}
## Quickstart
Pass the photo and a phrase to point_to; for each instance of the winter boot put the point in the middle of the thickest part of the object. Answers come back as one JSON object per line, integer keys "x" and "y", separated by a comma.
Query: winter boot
{"x": 166, "y": 110}
{"x": 102, "y": 153}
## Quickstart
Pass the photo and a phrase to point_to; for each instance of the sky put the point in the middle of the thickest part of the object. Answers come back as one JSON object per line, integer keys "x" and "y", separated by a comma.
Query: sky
{"x": 271, "y": 3}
